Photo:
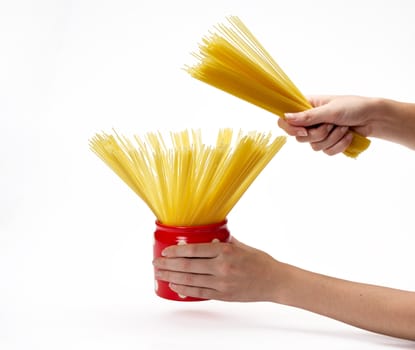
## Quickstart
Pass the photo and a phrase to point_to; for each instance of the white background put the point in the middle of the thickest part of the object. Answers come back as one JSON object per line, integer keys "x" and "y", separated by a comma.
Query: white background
{"x": 76, "y": 243}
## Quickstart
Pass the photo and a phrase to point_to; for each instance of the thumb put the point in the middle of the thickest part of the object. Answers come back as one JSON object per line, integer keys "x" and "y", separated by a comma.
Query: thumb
{"x": 237, "y": 243}
{"x": 313, "y": 116}
{"x": 233, "y": 240}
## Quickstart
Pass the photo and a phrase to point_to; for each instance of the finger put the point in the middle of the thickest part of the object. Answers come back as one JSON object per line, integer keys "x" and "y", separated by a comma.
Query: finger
{"x": 317, "y": 134}
{"x": 314, "y": 116}
{"x": 292, "y": 130}
{"x": 199, "y": 250}
{"x": 188, "y": 279}
{"x": 195, "y": 292}
{"x": 340, "y": 146}
{"x": 203, "y": 266}
{"x": 334, "y": 137}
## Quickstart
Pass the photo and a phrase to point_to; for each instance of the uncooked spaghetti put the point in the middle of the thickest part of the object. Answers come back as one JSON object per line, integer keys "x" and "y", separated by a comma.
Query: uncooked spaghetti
{"x": 233, "y": 60}
{"x": 184, "y": 180}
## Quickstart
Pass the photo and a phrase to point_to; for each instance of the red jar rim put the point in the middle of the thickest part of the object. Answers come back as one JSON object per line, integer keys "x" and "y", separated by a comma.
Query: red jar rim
{"x": 196, "y": 228}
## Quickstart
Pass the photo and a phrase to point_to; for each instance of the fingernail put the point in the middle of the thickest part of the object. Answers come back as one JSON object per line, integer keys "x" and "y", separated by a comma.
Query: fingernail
{"x": 302, "y": 132}
{"x": 163, "y": 253}
{"x": 290, "y": 116}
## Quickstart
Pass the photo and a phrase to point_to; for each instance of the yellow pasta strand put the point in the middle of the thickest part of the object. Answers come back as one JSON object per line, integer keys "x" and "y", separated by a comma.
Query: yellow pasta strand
{"x": 233, "y": 60}
{"x": 184, "y": 181}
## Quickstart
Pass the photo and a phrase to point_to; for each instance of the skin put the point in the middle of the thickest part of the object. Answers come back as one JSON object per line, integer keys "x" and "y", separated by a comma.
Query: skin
{"x": 236, "y": 272}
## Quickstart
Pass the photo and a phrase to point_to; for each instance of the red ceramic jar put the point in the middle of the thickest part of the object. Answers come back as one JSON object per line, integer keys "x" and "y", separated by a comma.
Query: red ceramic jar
{"x": 165, "y": 236}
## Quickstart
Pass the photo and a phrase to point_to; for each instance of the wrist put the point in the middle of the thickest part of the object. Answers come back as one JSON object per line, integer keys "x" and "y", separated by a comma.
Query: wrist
{"x": 381, "y": 120}
{"x": 284, "y": 283}
{"x": 393, "y": 121}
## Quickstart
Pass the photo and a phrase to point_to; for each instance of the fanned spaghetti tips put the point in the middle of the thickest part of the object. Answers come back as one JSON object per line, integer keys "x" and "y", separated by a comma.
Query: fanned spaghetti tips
{"x": 184, "y": 180}
{"x": 233, "y": 60}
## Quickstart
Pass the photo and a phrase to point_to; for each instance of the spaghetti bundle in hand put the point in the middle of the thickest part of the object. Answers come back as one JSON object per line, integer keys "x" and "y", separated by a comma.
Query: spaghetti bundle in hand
{"x": 233, "y": 60}
{"x": 183, "y": 180}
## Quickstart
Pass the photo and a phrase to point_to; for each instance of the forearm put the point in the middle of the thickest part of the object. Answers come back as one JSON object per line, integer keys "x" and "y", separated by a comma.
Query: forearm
{"x": 394, "y": 121}
{"x": 378, "y": 309}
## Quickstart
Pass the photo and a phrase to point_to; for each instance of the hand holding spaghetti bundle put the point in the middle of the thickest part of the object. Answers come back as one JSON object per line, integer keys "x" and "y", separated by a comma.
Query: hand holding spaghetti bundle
{"x": 184, "y": 181}
{"x": 233, "y": 60}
